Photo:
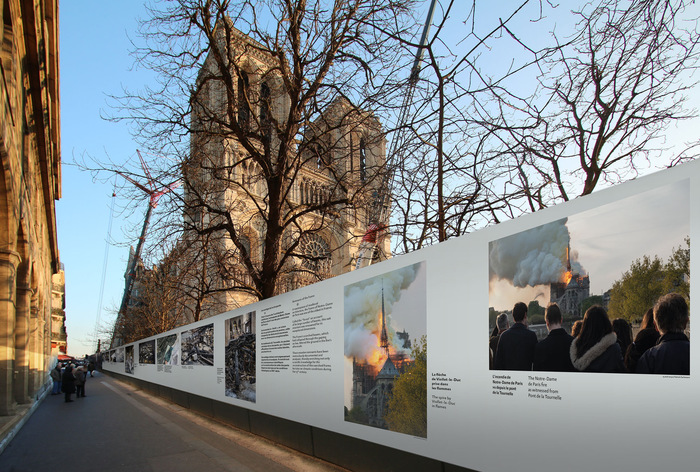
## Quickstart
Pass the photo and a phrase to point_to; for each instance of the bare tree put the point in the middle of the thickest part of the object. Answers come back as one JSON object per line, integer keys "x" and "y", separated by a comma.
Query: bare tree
{"x": 269, "y": 115}
{"x": 606, "y": 97}
{"x": 451, "y": 172}
{"x": 509, "y": 119}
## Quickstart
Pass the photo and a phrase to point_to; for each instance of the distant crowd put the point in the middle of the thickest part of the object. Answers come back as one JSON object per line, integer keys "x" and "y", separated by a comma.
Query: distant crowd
{"x": 596, "y": 344}
{"x": 70, "y": 378}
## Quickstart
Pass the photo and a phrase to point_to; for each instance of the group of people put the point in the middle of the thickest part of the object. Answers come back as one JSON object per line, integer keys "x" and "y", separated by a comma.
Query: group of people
{"x": 69, "y": 379}
{"x": 596, "y": 344}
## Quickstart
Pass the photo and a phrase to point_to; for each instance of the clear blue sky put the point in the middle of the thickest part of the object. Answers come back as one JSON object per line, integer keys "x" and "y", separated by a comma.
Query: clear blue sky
{"x": 94, "y": 62}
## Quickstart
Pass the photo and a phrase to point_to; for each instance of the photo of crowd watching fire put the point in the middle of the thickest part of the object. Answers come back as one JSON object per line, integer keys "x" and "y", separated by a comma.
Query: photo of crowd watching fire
{"x": 605, "y": 290}
{"x": 386, "y": 351}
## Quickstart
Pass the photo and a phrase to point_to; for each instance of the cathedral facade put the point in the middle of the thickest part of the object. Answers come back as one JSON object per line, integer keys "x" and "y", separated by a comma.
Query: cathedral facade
{"x": 569, "y": 295}
{"x": 316, "y": 195}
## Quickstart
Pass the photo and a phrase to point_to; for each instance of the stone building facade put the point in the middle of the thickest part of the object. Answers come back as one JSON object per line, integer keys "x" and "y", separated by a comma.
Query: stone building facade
{"x": 29, "y": 186}
{"x": 569, "y": 295}
{"x": 339, "y": 154}
{"x": 59, "y": 336}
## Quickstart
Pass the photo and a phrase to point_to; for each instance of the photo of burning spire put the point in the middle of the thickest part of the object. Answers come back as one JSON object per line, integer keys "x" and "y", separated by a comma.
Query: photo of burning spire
{"x": 385, "y": 326}
{"x": 581, "y": 256}
{"x": 534, "y": 257}
{"x": 541, "y": 258}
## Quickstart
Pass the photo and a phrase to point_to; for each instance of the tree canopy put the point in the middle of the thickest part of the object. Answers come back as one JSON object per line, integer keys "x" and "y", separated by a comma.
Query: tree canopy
{"x": 408, "y": 405}
{"x": 647, "y": 279}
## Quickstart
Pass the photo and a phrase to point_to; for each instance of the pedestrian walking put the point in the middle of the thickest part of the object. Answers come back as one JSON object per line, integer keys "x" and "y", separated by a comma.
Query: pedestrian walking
{"x": 68, "y": 383}
{"x": 56, "y": 377}
{"x": 80, "y": 378}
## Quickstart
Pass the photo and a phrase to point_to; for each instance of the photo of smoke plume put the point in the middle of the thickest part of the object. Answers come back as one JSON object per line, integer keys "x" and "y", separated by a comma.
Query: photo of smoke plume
{"x": 197, "y": 346}
{"x": 129, "y": 359}
{"x": 596, "y": 257}
{"x": 147, "y": 352}
{"x": 119, "y": 354}
{"x": 386, "y": 351}
{"x": 167, "y": 350}
{"x": 240, "y": 357}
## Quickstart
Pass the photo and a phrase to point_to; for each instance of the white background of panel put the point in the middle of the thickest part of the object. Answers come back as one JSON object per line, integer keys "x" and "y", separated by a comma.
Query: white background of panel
{"x": 603, "y": 422}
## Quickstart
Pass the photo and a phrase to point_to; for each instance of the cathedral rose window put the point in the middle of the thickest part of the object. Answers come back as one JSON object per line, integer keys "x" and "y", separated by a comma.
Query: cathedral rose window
{"x": 317, "y": 253}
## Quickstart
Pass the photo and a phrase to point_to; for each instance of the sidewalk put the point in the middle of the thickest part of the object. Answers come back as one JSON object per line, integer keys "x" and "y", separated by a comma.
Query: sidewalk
{"x": 118, "y": 428}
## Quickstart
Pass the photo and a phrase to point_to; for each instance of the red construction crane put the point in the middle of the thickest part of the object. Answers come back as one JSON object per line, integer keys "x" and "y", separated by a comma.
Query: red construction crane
{"x": 154, "y": 193}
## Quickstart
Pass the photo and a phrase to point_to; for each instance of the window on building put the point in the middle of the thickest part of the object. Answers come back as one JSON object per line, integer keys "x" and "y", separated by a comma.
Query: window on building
{"x": 318, "y": 151}
{"x": 245, "y": 242}
{"x": 316, "y": 253}
{"x": 352, "y": 154}
{"x": 243, "y": 108}
{"x": 265, "y": 110}
{"x": 363, "y": 160}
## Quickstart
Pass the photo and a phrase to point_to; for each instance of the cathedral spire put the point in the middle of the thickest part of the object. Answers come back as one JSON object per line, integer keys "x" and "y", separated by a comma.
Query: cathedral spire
{"x": 384, "y": 339}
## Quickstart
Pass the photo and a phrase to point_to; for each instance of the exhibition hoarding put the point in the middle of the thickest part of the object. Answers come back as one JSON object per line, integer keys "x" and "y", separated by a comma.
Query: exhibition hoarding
{"x": 334, "y": 355}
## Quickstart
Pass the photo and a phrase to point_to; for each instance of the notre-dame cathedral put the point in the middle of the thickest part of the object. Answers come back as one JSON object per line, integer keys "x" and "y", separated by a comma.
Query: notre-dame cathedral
{"x": 333, "y": 188}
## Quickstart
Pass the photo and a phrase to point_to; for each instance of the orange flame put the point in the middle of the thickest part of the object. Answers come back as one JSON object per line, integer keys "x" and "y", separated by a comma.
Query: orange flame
{"x": 376, "y": 359}
{"x": 566, "y": 278}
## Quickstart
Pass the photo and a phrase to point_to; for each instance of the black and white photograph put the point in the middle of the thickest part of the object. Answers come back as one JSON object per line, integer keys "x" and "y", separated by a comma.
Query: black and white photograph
{"x": 129, "y": 359}
{"x": 119, "y": 354}
{"x": 147, "y": 352}
{"x": 198, "y": 346}
{"x": 240, "y": 357}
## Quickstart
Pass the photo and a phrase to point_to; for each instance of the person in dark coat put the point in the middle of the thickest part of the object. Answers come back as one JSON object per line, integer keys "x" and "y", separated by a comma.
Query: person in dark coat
{"x": 552, "y": 353}
{"x": 671, "y": 355}
{"x": 645, "y": 339}
{"x": 596, "y": 348}
{"x": 56, "y": 377}
{"x": 80, "y": 378}
{"x": 516, "y": 346}
{"x": 501, "y": 326}
{"x": 68, "y": 382}
{"x": 576, "y": 328}
{"x": 623, "y": 331}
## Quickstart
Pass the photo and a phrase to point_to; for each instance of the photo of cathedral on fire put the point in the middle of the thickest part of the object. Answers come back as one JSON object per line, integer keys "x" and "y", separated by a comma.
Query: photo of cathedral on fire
{"x": 385, "y": 351}
{"x": 622, "y": 256}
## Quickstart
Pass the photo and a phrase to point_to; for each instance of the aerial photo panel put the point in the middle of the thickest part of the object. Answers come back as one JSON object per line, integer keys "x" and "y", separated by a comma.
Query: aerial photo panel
{"x": 167, "y": 350}
{"x": 604, "y": 268}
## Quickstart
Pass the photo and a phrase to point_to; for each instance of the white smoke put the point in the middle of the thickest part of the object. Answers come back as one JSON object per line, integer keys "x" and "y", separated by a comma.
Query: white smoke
{"x": 363, "y": 306}
{"x": 533, "y": 257}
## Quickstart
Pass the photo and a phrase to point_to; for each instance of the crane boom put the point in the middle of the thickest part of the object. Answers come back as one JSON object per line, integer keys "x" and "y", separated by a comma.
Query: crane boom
{"x": 153, "y": 196}
{"x": 379, "y": 213}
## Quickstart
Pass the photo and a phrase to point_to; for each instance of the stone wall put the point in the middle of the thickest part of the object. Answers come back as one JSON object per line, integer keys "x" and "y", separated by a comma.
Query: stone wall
{"x": 30, "y": 184}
